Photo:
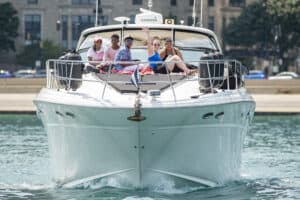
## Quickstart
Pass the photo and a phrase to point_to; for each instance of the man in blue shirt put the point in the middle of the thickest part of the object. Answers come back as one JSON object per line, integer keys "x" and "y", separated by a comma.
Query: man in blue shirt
{"x": 123, "y": 57}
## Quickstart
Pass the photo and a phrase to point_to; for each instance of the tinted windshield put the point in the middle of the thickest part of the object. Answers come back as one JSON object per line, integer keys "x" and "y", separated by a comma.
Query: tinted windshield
{"x": 191, "y": 44}
{"x": 194, "y": 40}
{"x": 88, "y": 42}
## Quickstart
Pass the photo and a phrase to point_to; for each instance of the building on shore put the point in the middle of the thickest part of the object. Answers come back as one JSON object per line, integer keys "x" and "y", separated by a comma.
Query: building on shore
{"x": 61, "y": 21}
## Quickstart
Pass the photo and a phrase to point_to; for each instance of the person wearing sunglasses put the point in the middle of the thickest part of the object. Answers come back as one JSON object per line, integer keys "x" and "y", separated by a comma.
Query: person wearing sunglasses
{"x": 156, "y": 63}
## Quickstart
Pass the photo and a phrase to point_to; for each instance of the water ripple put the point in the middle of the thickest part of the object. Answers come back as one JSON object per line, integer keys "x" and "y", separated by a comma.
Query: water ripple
{"x": 270, "y": 167}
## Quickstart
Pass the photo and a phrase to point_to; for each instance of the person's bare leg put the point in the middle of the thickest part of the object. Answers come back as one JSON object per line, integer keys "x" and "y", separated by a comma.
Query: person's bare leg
{"x": 180, "y": 64}
{"x": 170, "y": 64}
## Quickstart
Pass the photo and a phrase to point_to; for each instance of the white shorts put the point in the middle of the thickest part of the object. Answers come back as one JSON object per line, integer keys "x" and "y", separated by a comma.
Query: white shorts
{"x": 133, "y": 67}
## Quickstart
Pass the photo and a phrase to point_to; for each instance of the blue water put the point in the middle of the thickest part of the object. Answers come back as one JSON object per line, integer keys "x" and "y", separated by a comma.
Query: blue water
{"x": 270, "y": 167}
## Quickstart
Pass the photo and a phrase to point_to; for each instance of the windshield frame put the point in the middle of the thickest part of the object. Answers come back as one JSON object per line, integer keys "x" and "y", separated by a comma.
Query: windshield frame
{"x": 122, "y": 29}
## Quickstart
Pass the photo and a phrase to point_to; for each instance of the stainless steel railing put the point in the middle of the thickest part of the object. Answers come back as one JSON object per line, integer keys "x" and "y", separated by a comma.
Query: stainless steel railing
{"x": 211, "y": 74}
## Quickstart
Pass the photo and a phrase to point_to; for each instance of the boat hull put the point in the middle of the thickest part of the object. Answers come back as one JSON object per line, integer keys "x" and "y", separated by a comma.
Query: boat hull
{"x": 198, "y": 144}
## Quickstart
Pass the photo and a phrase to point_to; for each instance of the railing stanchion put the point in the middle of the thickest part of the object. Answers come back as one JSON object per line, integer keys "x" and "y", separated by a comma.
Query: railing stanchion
{"x": 236, "y": 82}
{"x": 108, "y": 77}
{"x": 209, "y": 74}
{"x": 227, "y": 74}
{"x": 55, "y": 72}
{"x": 70, "y": 75}
{"x": 47, "y": 74}
{"x": 239, "y": 67}
{"x": 170, "y": 79}
{"x": 59, "y": 75}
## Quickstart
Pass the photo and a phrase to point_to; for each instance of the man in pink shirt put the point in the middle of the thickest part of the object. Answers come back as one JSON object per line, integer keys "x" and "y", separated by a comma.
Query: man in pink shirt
{"x": 111, "y": 51}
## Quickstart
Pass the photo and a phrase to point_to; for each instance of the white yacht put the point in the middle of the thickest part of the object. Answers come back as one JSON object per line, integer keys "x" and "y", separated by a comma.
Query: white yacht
{"x": 188, "y": 129}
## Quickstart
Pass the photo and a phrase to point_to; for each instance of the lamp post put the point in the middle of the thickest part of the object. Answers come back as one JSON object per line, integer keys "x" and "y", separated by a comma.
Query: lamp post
{"x": 201, "y": 13}
{"x": 194, "y": 13}
{"x": 150, "y": 4}
{"x": 58, "y": 25}
{"x": 277, "y": 35}
{"x": 97, "y": 6}
{"x": 98, "y": 12}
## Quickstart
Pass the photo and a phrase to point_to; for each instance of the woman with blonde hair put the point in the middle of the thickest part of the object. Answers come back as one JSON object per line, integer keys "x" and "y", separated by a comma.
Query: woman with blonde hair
{"x": 155, "y": 60}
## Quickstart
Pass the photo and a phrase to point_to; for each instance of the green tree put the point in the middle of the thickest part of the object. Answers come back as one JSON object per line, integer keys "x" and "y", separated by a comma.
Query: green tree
{"x": 266, "y": 26}
{"x": 29, "y": 55}
{"x": 286, "y": 17}
{"x": 50, "y": 51}
{"x": 283, "y": 7}
{"x": 43, "y": 51}
{"x": 9, "y": 23}
{"x": 252, "y": 28}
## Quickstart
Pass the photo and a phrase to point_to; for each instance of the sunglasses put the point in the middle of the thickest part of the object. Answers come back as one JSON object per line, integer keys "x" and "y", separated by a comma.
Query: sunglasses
{"x": 156, "y": 44}
{"x": 129, "y": 40}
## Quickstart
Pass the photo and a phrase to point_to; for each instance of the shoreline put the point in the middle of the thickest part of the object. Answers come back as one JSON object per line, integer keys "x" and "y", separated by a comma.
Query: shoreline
{"x": 266, "y": 104}
{"x": 256, "y": 113}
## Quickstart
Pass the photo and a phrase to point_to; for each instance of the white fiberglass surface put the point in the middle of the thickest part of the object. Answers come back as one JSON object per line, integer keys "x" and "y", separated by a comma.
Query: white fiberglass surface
{"x": 94, "y": 138}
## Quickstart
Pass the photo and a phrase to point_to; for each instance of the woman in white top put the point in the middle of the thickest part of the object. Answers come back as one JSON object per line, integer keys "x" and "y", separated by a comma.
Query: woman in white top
{"x": 96, "y": 52}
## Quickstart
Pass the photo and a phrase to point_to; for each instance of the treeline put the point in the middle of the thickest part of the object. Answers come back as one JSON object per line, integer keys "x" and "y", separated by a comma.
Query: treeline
{"x": 269, "y": 27}
{"x": 38, "y": 50}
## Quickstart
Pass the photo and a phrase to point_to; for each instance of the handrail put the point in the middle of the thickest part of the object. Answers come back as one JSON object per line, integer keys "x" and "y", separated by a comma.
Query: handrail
{"x": 109, "y": 74}
{"x": 212, "y": 74}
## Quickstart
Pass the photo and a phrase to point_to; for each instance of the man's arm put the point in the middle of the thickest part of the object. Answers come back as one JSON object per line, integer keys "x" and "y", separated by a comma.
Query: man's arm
{"x": 119, "y": 58}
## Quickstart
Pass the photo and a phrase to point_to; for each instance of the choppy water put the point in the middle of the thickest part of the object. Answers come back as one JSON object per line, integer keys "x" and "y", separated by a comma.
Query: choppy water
{"x": 270, "y": 168}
